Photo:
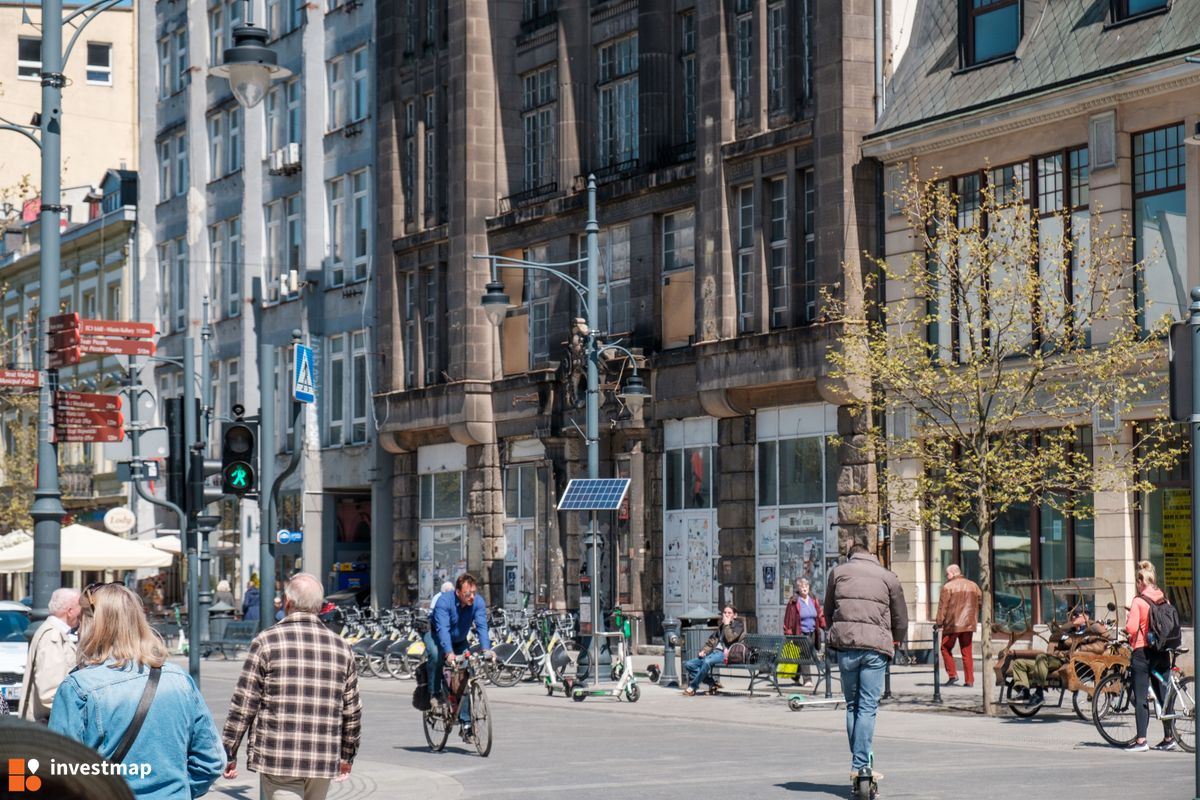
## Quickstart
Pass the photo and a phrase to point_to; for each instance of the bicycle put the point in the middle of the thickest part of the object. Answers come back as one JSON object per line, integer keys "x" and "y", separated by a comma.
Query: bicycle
{"x": 463, "y": 680}
{"x": 1113, "y": 706}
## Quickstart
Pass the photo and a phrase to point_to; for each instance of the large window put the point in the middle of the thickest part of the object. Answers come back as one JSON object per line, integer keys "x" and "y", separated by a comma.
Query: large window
{"x": 1165, "y": 531}
{"x": 747, "y": 266}
{"x": 743, "y": 66}
{"x": 1160, "y": 223}
{"x": 618, "y": 102}
{"x": 537, "y": 290}
{"x": 360, "y": 384}
{"x": 442, "y": 495}
{"x": 29, "y": 57}
{"x": 182, "y": 175}
{"x": 687, "y": 59}
{"x": 690, "y": 477}
{"x": 335, "y": 391}
{"x": 335, "y": 220}
{"x": 335, "y": 89}
{"x": 408, "y": 177}
{"x": 1063, "y": 219}
{"x": 412, "y": 319}
{"x": 295, "y": 240}
{"x": 361, "y": 224}
{"x": 538, "y": 118}
{"x": 99, "y": 64}
{"x": 678, "y": 239}
{"x": 360, "y": 78}
{"x": 429, "y": 325}
{"x": 993, "y": 29}
{"x": 777, "y": 57}
{"x": 520, "y": 491}
{"x": 431, "y": 164}
{"x": 777, "y": 265}
{"x": 614, "y": 286}
{"x": 808, "y": 283}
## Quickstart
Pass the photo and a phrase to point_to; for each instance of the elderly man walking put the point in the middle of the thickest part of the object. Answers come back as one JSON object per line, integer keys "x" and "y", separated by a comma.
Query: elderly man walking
{"x": 51, "y": 656}
{"x": 298, "y": 696}
{"x": 864, "y": 604}
{"x": 957, "y": 616}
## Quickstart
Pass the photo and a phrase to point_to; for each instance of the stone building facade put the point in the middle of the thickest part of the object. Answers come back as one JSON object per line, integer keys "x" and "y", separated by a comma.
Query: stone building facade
{"x": 724, "y": 136}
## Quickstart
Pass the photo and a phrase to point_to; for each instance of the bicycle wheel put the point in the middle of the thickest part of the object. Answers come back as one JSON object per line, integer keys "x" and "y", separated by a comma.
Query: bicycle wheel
{"x": 437, "y": 730}
{"x": 396, "y": 665}
{"x": 505, "y": 675}
{"x": 376, "y": 665}
{"x": 1183, "y": 727}
{"x": 481, "y": 719}
{"x": 1112, "y": 710}
{"x": 1020, "y": 708}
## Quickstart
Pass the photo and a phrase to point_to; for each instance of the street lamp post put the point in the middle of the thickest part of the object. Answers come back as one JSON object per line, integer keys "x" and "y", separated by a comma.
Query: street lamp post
{"x": 250, "y": 67}
{"x": 47, "y": 510}
{"x": 496, "y": 304}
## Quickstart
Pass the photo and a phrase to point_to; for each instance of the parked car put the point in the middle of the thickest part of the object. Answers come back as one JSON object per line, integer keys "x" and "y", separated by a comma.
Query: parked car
{"x": 14, "y": 647}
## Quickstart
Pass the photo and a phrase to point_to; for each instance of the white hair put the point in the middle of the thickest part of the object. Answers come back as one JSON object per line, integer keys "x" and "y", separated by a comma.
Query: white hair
{"x": 448, "y": 586}
{"x": 61, "y": 600}
{"x": 305, "y": 592}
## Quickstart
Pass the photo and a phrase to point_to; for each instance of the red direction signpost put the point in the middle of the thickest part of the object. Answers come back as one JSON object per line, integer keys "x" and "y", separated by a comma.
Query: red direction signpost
{"x": 63, "y": 358}
{"x": 88, "y": 402}
{"x": 97, "y": 433}
{"x": 78, "y": 417}
{"x": 95, "y": 345}
{"x": 105, "y": 327}
{"x": 62, "y": 322}
{"x": 22, "y": 378}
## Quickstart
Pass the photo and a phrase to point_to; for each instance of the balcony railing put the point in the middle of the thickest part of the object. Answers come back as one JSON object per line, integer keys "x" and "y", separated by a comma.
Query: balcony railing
{"x": 546, "y": 190}
{"x": 676, "y": 154}
{"x": 613, "y": 171}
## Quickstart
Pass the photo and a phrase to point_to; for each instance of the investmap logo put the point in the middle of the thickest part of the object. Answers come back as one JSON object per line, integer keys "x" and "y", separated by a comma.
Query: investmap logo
{"x": 22, "y": 775}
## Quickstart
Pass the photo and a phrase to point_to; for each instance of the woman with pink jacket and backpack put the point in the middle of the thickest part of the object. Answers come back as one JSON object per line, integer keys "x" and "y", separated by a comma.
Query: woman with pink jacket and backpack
{"x": 1144, "y": 659}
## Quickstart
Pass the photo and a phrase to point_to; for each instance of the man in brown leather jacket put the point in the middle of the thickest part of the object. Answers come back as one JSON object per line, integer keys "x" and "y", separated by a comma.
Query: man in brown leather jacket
{"x": 957, "y": 615}
{"x": 1034, "y": 673}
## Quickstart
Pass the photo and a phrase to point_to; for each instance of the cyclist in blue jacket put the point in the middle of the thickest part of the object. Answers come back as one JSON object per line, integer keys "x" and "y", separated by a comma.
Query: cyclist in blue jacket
{"x": 450, "y": 622}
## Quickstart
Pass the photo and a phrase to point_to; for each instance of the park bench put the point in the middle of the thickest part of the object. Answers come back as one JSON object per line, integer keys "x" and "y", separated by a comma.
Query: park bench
{"x": 761, "y": 666}
{"x": 238, "y": 634}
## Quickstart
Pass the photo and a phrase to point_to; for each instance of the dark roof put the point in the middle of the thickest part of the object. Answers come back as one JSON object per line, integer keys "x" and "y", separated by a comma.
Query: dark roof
{"x": 1065, "y": 42}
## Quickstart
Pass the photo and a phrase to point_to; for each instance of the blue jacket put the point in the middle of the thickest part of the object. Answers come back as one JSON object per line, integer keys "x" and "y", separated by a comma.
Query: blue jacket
{"x": 250, "y": 604}
{"x": 452, "y": 622}
{"x": 178, "y": 740}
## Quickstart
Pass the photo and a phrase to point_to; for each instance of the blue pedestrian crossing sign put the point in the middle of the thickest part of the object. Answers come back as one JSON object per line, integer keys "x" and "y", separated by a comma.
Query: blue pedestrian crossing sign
{"x": 304, "y": 381}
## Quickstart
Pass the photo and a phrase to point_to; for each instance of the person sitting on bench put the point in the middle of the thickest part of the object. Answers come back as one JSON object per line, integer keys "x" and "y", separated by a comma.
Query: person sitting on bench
{"x": 1035, "y": 673}
{"x": 731, "y": 631}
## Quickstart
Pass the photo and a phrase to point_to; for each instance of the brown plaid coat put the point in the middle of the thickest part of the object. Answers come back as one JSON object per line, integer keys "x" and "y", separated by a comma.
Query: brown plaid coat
{"x": 298, "y": 697}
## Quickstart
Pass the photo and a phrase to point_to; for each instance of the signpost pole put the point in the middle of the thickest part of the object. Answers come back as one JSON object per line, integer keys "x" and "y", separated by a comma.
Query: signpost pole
{"x": 188, "y": 529}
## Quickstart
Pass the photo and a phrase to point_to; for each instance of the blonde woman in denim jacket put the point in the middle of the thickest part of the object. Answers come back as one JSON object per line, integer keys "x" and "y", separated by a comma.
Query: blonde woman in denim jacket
{"x": 177, "y": 754}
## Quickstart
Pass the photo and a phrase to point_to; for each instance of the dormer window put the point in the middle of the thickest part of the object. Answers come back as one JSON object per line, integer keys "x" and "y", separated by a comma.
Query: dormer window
{"x": 1128, "y": 9}
{"x": 993, "y": 29}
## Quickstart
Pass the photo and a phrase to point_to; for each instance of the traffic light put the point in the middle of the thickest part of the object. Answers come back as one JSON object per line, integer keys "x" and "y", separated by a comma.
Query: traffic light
{"x": 200, "y": 494}
{"x": 239, "y": 459}
{"x": 176, "y": 467}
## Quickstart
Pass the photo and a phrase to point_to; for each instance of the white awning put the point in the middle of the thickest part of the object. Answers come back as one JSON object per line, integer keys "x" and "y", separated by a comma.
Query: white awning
{"x": 86, "y": 548}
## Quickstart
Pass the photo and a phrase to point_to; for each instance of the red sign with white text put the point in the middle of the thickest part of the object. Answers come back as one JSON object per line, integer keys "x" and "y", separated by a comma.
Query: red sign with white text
{"x": 90, "y": 434}
{"x": 96, "y": 345}
{"x": 88, "y": 402}
{"x": 24, "y": 378}
{"x": 87, "y": 418}
{"x": 63, "y": 358}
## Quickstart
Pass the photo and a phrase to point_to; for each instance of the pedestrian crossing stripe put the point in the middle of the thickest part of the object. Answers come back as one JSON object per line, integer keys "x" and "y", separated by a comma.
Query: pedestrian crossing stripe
{"x": 304, "y": 387}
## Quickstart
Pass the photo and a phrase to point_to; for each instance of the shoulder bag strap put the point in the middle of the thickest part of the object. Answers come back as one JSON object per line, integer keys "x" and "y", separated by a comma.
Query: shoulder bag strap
{"x": 139, "y": 717}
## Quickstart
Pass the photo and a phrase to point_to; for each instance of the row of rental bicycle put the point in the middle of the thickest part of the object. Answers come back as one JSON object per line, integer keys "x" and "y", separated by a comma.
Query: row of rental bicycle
{"x": 529, "y": 644}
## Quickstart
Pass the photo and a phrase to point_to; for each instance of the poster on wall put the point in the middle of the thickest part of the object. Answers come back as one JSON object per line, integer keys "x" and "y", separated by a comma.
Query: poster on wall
{"x": 510, "y": 583}
{"x": 801, "y": 555}
{"x": 1177, "y": 537}
{"x": 673, "y": 582}
{"x": 699, "y": 561}
{"x": 768, "y": 571}
{"x": 831, "y": 530}
{"x": 768, "y": 532}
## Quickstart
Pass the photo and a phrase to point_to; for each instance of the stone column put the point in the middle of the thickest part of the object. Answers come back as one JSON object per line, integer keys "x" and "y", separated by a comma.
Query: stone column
{"x": 735, "y": 516}
{"x": 858, "y": 502}
{"x": 405, "y": 529}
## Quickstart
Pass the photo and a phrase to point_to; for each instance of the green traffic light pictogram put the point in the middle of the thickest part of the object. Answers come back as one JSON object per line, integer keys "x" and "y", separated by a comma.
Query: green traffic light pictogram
{"x": 238, "y": 478}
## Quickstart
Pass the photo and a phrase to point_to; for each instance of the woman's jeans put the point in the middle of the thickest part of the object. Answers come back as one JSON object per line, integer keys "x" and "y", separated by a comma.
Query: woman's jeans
{"x": 1141, "y": 663}
{"x": 698, "y": 668}
{"x": 862, "y": 684}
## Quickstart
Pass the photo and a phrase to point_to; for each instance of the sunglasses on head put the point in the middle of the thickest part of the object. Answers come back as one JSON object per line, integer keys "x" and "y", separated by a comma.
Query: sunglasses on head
{"x": 87, "y": 602}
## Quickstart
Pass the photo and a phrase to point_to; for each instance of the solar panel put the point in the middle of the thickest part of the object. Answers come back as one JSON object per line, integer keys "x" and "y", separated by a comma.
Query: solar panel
{"x": 594, "y": 494}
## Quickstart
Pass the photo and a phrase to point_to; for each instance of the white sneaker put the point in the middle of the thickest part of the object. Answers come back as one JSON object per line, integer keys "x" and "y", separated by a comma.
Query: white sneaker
{"x": 1137, "y": 747}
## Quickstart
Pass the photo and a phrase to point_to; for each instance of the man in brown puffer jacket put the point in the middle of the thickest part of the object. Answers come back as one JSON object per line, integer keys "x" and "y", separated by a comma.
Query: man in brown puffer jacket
{"x": 867, "y": 615}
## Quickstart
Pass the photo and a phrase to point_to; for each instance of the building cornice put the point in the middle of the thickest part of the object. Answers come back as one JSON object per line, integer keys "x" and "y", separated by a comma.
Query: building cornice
{"x": 1029, "y": 111}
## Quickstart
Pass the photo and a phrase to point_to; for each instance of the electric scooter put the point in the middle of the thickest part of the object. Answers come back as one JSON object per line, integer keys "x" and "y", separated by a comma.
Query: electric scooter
{"x": 622, "y": 669}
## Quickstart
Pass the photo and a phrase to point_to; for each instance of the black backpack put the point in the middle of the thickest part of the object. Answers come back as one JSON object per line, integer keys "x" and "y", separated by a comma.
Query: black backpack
{"x": 1162, "y": 630}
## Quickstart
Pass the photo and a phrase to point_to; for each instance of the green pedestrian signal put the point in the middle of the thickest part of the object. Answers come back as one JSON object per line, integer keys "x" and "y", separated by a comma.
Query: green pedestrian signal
{"x": 238, "y": 457}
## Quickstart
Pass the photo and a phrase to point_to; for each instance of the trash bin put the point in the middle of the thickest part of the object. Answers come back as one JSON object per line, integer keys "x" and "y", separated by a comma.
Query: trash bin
{"x": 696, "y": 625}
{"x": 219, "y": 615}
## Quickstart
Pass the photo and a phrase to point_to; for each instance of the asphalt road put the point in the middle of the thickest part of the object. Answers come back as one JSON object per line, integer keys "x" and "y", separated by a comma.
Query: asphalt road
{"x": 670, "y": 746}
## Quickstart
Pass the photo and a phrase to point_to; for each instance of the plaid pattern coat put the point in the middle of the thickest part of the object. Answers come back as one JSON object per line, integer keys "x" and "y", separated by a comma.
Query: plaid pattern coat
{"x": 298, "y": 698}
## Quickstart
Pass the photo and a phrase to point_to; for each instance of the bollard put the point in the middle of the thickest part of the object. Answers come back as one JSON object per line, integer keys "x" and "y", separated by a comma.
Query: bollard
{"x": 937, "y": 673}
{"x": 669, "y": 677}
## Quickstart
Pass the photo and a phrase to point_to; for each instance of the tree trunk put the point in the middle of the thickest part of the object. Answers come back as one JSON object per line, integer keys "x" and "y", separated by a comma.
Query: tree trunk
{"x": 984, "y": 521}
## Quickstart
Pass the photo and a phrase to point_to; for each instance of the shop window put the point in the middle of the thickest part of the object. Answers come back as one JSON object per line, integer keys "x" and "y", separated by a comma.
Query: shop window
{"x": 800, "y": 471}
{"x": 520, "y": 491}
{"x": 441, "y": 495}
{"x": 689, "y": 478}
{"x": 1164, "y": 531}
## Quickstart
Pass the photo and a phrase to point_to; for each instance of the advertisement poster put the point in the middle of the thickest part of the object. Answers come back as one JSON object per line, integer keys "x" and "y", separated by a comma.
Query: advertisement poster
{"x": 801, "y": 555}
{"x": 699, "y": 561}
{"x": 1177, "y": 537}
{"x": 768, "y": 533}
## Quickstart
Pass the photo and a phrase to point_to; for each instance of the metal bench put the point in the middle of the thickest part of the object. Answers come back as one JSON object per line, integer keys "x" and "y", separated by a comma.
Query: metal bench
{"x": 238, "y": 634}
{"x": 764, "y": 649}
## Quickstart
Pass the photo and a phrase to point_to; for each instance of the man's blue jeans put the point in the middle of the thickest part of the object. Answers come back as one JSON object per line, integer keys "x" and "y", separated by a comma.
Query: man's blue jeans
{"x": 697, "y": 668}
{"x": 435, "y": 662}
{"x": 862, "y": 683}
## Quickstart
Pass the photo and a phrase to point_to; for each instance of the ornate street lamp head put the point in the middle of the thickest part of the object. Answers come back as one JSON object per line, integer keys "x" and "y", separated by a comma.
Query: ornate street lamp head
{"x": 249, "y": 65}
{"x": 634, "y": 394}
{"x": 495, "y": 303}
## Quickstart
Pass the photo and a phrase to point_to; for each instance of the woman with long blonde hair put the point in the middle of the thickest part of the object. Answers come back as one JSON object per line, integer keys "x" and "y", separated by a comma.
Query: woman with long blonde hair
{"x": 1144, "y": 659}
{"x": 175, "y": 753}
